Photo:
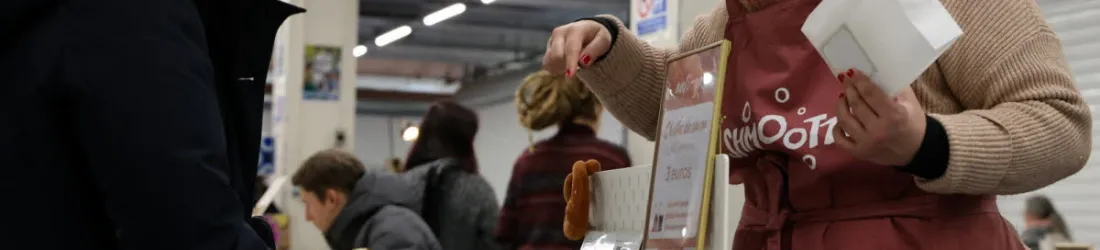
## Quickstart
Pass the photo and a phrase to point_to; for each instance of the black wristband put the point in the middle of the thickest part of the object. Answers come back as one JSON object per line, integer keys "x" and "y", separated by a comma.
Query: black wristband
{"x": 612, "y": 28}
{"x": 931, "y": 159}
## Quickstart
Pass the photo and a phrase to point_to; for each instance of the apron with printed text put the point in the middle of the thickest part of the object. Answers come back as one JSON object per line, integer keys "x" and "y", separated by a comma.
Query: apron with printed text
{"x": 804, "y": 193}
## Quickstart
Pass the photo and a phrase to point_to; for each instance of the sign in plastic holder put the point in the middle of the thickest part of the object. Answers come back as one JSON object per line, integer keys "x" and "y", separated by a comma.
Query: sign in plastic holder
{"x": 617, "y": 206}
{"x": 682, "y": 173}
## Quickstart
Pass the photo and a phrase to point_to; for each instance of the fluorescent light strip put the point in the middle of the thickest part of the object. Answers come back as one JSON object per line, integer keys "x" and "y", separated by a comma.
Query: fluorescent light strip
{"x": 444, "y": 14}
{"x": 393, "y": 35}
{"x": 487, "y": 1}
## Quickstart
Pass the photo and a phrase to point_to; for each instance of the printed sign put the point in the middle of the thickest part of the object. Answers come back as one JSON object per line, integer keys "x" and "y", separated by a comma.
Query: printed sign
{"x": 686, "y": 146}
{"x": 322, "y": 73}
{"x": 652, "y": 16}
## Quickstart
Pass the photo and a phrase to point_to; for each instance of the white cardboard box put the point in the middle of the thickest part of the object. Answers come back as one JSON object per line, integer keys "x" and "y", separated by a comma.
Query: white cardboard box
{"x": 893, "y": 41}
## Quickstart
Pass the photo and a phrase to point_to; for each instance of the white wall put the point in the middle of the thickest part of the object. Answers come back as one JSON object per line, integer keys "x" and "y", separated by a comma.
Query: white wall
{"x": 1076, "y": 197}
{"x": 377, "y": 137}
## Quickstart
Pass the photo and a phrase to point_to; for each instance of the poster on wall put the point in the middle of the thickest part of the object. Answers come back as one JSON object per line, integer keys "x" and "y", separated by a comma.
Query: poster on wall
{"x": 686, "y": 145}
{"x": 322, "y": 73}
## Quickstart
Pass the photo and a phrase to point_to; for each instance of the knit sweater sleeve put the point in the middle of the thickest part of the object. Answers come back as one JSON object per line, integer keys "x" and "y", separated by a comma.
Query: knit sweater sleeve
{"x": 1026, "y": 125}
{"x": 629, "y": 79}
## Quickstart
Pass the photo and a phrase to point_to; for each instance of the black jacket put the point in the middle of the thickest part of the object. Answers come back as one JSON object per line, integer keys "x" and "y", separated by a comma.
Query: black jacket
{"x": 381, "y": 214}
{"x": 132, "y": 124}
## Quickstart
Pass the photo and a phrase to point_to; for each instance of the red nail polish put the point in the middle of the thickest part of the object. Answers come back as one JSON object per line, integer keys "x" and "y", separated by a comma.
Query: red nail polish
{"x": 585, "y": 59}
{"x": 841, "y": 77}
{"x": 851, "y": 72}
{"x": 569, "y": 72}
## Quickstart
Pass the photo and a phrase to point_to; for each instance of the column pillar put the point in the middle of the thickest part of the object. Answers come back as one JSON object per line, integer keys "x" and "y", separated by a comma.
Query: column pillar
{"x": 313, "y": 98}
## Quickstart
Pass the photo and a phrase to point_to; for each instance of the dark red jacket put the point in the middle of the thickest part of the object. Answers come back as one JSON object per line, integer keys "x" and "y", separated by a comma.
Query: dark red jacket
{"x": 534, "y": 208}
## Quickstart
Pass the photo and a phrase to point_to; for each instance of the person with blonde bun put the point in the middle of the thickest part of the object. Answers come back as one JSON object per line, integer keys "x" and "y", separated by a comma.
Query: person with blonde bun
{"x": 534, "y": 208}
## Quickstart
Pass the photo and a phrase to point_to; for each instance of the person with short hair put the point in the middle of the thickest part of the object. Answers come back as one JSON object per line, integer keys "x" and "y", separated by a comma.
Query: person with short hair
{"x": 357, "y": 208}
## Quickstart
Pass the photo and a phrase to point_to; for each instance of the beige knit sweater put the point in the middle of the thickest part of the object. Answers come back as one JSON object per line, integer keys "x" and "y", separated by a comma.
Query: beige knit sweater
{"x": 1014, "y": 119}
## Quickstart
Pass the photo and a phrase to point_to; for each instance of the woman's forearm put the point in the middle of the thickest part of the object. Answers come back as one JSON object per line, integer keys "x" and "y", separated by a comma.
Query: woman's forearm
{"x": 1034, "y": 127}
{"x": 629, "y": 79}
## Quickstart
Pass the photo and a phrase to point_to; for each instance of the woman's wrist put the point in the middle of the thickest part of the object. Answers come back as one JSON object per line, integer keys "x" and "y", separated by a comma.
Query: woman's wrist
{"x": 931, "y": 159}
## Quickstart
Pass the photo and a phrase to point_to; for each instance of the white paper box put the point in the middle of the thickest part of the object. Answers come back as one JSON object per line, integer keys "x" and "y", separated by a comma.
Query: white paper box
{"x": 893, "y": 41}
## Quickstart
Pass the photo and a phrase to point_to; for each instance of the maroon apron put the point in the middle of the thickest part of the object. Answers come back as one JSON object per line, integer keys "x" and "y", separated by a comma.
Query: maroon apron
{"x": 804, "y": 193}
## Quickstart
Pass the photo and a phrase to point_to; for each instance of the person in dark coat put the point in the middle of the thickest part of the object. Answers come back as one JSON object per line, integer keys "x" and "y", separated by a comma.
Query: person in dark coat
{"x": 360, "y": 208}
{"x": 133, "y": 124}
{"x": 459, "y": 204}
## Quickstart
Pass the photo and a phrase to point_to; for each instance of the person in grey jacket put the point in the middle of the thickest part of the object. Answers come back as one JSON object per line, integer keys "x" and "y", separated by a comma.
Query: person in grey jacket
{"x": 360, "y": 208}
{"x": 459, "y": 204}
{"x": 1044, "y": 226}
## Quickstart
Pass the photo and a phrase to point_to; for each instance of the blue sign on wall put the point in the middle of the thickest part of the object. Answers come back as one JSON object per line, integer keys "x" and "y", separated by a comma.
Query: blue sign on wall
{"x": 652, "y": 25}
{"x": 267, "y": 156}
{"x": 652, "y": 16}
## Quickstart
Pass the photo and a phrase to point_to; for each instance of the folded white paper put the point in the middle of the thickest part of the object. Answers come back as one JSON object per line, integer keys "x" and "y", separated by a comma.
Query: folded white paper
{"x": 268, "y": 196}
{"x": 893, "y": 41}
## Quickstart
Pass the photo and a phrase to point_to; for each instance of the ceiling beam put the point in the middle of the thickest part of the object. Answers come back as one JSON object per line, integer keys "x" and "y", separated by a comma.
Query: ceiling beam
{"x": 498, "y": 14}
{"x": 542, "y": 5}
{"x": 410, "y": 68}
{"x": 588, "y": 5}
{"x": 389, "y": 20}
{"x": 496, "y": 47}
{"x": 439, "y": 54}
{"x": 379, "y": 95}
{"x": 457, "y": 36}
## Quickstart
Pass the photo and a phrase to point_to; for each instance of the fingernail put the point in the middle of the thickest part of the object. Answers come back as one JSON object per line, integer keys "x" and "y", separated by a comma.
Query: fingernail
{"x": 851, "y": 72}
{"x": 841, "y": 77}
{"x": 585, "y": 59}
{"x": 569, "y": 72}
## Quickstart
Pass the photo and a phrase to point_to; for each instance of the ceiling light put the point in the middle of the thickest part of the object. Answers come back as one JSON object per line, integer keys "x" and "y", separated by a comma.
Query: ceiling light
{"x": 444, "y": 14}
{"x": 393, "y": 35}
{"x": 359, "y": 50}
{"x": 410, "y": 133}
{"x": 487, "y": 1}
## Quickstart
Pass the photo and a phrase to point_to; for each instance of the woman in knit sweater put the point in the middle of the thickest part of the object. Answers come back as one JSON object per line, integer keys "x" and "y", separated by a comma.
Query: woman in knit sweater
{"x": 998, "y": 113}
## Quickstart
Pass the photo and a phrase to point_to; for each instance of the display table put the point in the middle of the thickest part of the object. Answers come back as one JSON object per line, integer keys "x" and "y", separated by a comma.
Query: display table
{"x": 619, "y": 199}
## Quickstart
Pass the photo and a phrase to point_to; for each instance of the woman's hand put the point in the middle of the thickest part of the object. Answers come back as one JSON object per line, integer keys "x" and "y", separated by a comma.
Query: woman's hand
{"x": 875, "y": 127}
{"x": 575, "y": 44}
